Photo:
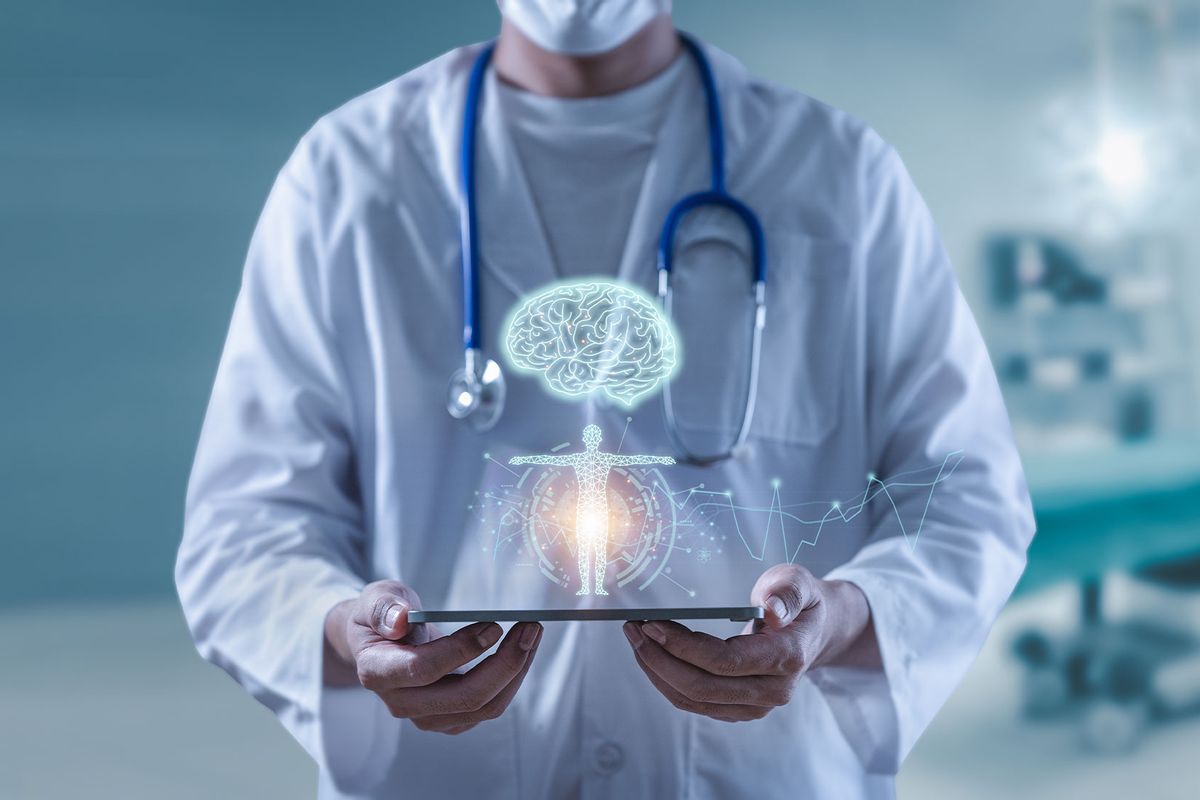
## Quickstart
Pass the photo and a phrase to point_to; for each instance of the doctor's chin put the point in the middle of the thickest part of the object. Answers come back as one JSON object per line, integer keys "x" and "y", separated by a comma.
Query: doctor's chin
{"x": 601, "y": 399}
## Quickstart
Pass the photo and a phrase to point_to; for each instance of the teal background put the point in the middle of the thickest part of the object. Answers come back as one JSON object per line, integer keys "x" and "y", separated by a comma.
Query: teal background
{"x": 138, "y": 140}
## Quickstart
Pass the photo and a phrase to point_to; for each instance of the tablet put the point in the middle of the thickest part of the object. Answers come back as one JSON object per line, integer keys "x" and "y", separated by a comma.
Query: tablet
{"x": 734, "y": 613}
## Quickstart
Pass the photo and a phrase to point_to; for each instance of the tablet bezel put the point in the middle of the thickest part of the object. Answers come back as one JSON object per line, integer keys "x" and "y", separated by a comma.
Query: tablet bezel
{"x": 732, "y": 613}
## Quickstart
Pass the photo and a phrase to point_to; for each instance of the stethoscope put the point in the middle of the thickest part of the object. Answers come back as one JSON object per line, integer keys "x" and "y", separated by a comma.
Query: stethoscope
{"x": 477, "y": 390}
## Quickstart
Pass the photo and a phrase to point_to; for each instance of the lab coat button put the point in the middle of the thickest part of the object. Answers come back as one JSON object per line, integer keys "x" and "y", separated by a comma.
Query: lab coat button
{"x": 608, "y": 758}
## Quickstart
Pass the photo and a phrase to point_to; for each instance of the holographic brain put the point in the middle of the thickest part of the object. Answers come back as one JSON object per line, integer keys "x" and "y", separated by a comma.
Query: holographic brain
{"x": 590, "y": 337}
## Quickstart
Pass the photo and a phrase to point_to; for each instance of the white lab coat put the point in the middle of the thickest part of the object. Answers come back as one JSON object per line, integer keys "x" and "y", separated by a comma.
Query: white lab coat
{"x": 328, "y": 460}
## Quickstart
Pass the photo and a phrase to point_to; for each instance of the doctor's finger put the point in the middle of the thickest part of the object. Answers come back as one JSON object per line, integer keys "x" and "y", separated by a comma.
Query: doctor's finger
{"x": 735, "y": 657}
{"x": 438, "y": 657}
{"x": 699, "y": 685}
{"x": 422, "y": 633}
{"x": 457, "y": 694}
{"x": 458, "y": 723}
{"x": 385, "y": 666}
{"x": 725, "y": 712}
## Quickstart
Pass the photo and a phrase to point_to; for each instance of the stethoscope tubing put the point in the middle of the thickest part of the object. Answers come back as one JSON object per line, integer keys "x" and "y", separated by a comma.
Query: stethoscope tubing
{"x": 715, "y": 196}
{"x": 468, "y": 219}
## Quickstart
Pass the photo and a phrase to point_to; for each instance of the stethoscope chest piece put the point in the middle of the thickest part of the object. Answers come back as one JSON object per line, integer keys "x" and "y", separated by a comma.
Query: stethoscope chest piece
{"x": 477, "y": 394}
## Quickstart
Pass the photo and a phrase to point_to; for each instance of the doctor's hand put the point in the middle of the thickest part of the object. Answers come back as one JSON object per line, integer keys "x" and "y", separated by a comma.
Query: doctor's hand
{"x": 416, "y": 671}
{"x": 809, "y": 622}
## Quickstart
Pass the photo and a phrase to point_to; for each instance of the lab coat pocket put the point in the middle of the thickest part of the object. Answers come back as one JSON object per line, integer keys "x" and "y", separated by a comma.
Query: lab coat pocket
{"x": 803, "y": 359}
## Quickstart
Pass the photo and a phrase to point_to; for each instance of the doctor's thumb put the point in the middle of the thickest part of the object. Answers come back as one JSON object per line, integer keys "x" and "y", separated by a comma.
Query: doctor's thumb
{"x": 779, "y": 606}
{"x": 783, "y": 593}
{"x": 390, "y": 619}
{"x": 383, "y": 607}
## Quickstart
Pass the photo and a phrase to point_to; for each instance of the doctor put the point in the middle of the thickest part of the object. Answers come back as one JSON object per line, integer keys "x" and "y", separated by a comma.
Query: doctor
{"x": 331, "y": 487}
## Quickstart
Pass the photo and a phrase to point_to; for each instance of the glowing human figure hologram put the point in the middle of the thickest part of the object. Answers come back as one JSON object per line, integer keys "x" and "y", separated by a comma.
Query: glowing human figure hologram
{"x": 591, "y": 509}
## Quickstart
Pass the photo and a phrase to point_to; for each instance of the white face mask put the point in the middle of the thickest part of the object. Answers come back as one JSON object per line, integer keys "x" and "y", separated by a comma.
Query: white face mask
{"x": 581, "y": 27}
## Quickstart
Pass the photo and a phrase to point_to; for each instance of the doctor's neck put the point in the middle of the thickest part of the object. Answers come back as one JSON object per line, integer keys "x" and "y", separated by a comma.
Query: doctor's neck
{"x": 523, "y": 64}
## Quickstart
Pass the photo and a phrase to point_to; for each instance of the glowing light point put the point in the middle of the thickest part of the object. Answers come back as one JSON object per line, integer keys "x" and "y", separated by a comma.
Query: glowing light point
{"x": 775, "y": 483}
{"x": 591, "y": 512}
{"x": 1121, "y": 160}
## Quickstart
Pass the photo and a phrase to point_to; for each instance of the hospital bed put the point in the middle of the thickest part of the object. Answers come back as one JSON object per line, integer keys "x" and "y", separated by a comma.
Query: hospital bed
{"x": 1134, "y": 509}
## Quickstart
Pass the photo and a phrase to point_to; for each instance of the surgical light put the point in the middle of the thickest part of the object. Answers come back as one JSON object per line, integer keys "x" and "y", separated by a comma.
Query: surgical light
{"x": 1121, "y": 160}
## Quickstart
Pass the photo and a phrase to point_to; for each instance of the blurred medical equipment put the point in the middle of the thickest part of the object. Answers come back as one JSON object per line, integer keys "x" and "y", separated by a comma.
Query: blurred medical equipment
{"x": 477, "y": 390}
{"x": 1092, "y": 345}
{"x": 1134, "y": 510}
{"x": 1091, "y": 340}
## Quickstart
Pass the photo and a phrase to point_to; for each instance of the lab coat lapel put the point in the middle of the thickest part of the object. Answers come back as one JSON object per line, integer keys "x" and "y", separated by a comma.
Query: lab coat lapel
{"x": 678, "y": 166}
{"x": 513, "y": 244}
